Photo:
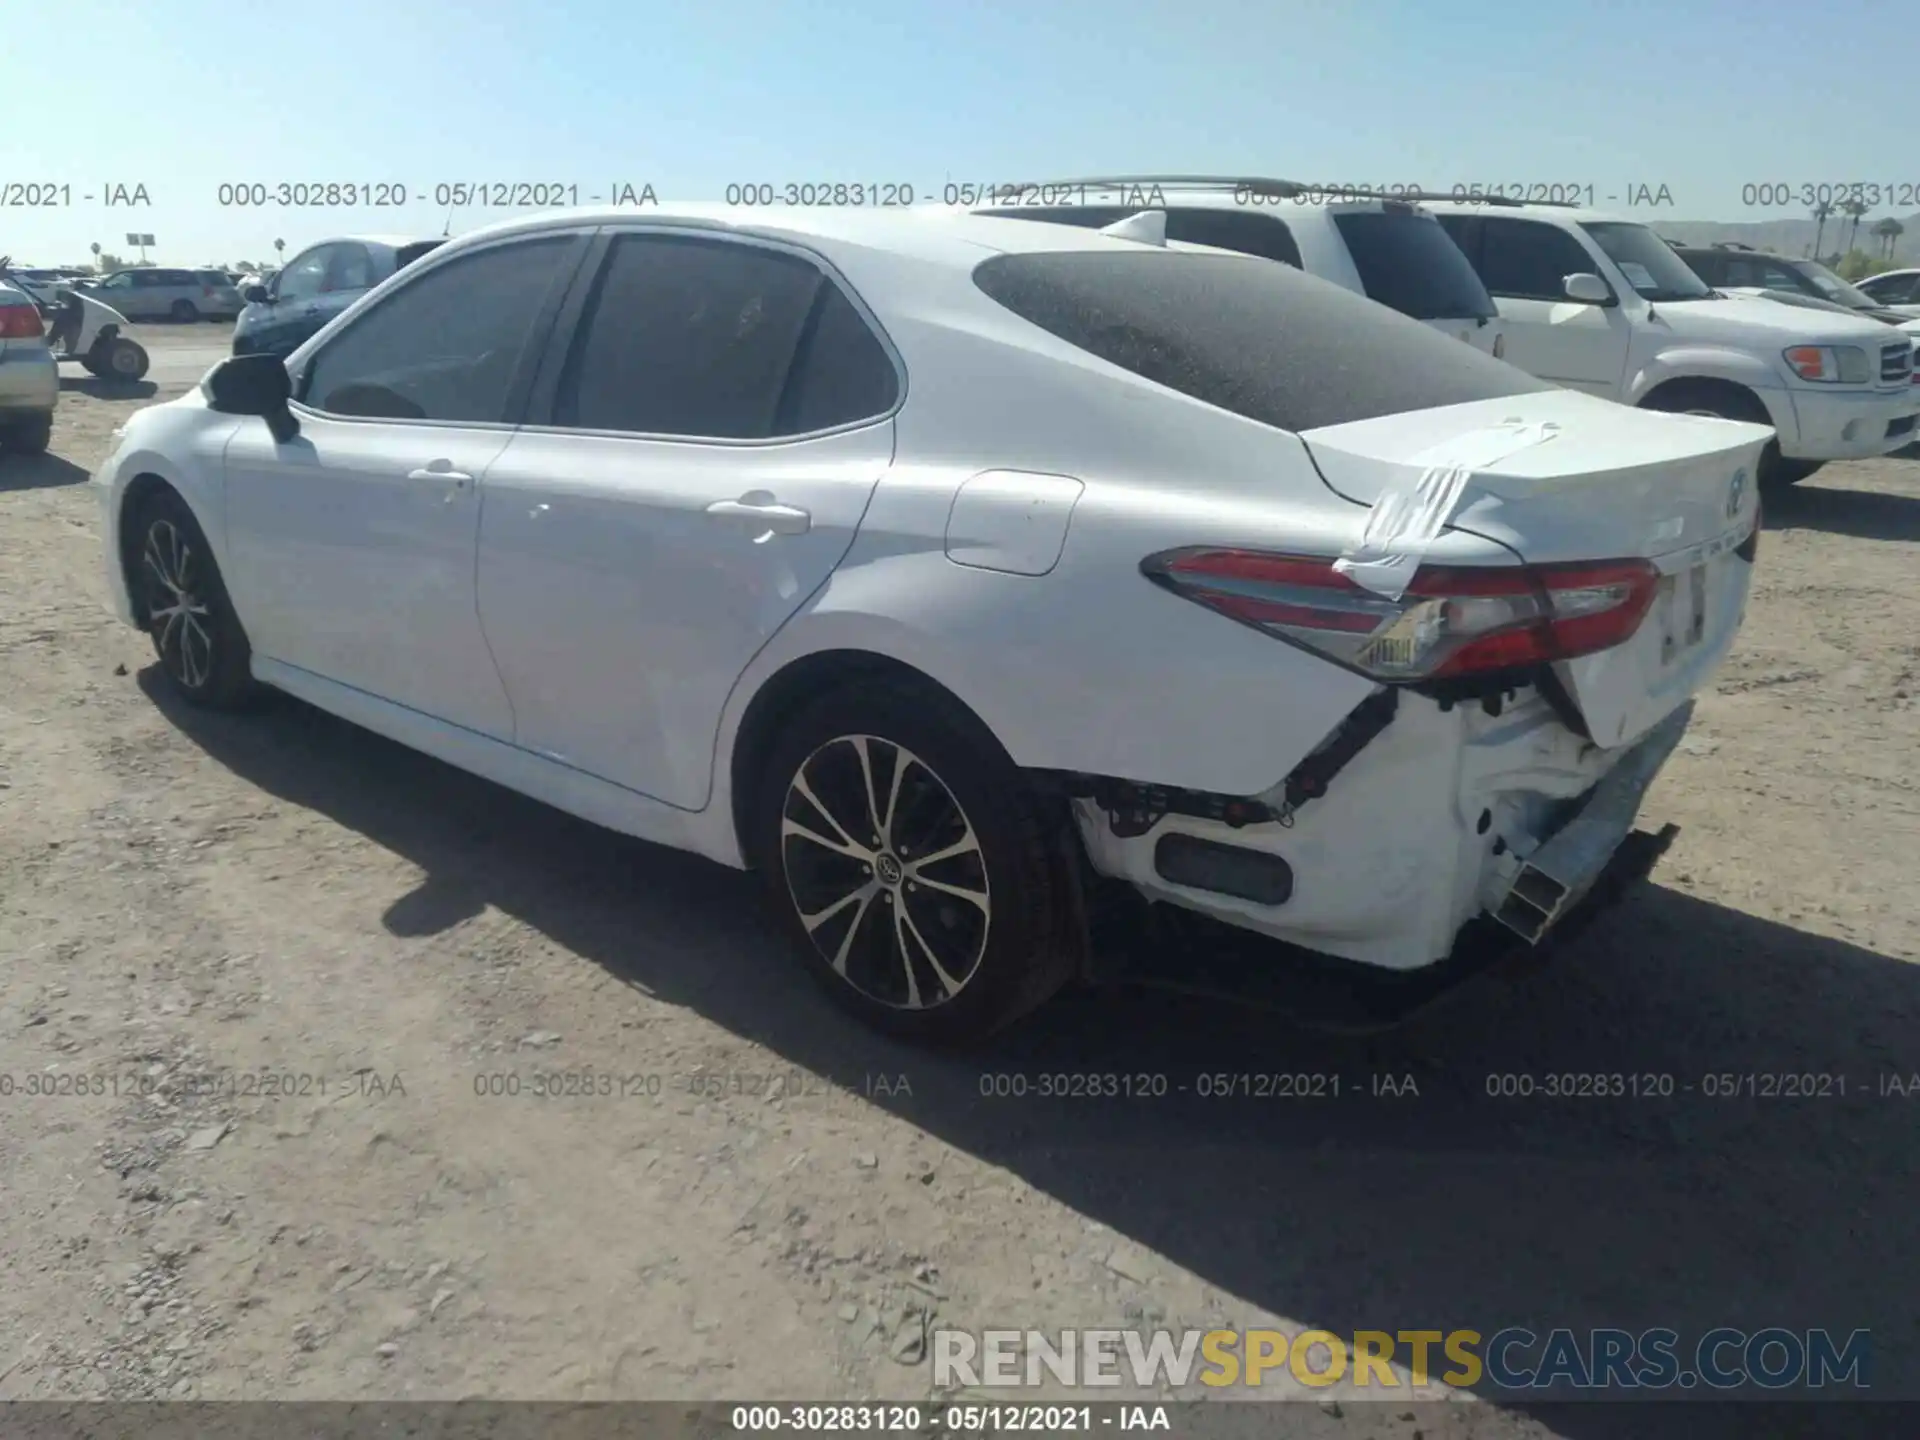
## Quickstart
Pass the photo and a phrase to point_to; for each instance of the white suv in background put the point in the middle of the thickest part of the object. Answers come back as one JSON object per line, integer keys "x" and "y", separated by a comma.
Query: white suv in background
{"x": 1604, "y": 305}
{"x": 1387, "y": 248}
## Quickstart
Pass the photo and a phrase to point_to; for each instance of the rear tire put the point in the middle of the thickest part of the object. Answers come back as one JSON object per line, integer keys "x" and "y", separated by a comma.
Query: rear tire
{"x": 31, "y": 437}
{"x": 202, "y": 649}
{"x": 184, "y": 311}
{"x": 929, "y": 900}
{"x": 1776, "y": 472}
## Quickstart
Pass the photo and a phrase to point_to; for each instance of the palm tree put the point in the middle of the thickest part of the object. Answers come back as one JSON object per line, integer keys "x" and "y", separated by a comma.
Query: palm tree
{"x": 1889, "y": 230}
{"x": 1855, "y": 211}
{"x": 1821, "y": 213}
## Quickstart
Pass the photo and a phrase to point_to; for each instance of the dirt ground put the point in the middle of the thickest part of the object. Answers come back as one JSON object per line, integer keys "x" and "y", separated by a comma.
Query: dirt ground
{"x": 781, "y": 1205}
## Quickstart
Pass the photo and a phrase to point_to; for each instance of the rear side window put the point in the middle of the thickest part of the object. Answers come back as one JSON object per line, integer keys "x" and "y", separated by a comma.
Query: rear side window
{"x": 841, "y": 374}
{"x": 212, "y": 277}
{"x": 1408, "y": 262}
{"x": 698, "y": 338}
{"x": 1247, "y": 232}
{"x": 1263, "y": 341}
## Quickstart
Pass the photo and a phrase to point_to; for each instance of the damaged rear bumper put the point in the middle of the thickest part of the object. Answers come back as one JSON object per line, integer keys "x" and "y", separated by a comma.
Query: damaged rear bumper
{"x": 1565, "y": 866}
{"x": 1164, "y": 948}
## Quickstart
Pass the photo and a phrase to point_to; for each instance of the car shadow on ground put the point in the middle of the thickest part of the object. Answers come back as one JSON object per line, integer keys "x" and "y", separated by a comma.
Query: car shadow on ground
{"x": 105, "y": 387}
{"x": 38, "y": 472}
{"x": 1863, "y": 514}
{"x": 1450, "y": 1208}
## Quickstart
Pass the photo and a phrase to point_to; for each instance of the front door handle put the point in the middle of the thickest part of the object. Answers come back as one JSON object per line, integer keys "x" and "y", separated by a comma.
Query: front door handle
{"x": 456, "y": 480}
{"x": 761, "y": 512}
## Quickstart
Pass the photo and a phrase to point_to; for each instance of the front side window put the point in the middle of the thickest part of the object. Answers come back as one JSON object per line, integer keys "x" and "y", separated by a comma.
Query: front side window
{"x": 1893, "y": 289}
{"x": 303, "y": 279}
{"x": 1526, "y": 260}
{"x": 714, "y": 339}
{"x": 445, "y": 347}
{"x": 122, "y": 281}
{"x": 1647, "y": 261}
{"x": 351, "y": 268}
{"x": 1712, "y": 268}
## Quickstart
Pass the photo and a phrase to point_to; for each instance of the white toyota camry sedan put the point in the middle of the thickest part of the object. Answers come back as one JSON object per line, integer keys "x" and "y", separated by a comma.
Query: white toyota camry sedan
{"x": 940, "y": 567}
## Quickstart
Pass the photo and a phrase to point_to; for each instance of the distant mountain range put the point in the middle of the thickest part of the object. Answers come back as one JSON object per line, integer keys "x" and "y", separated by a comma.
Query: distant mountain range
{"x": 1794, "y": 237}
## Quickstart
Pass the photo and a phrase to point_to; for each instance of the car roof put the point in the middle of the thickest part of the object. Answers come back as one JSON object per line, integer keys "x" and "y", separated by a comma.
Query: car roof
{"x": 1573, "y": 214}
{"x": 933, "y": 233}
{"x": 385, "y": 242}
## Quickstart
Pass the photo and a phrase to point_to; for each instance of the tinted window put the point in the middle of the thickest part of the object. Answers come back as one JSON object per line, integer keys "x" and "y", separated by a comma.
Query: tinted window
{"x": 1264, "y": 341}
{"x": 303, "y": 278}
{"x": 1709, "y": 265}
{"x": 212, "y": 277}
{"x": 445, "y": 347}
{"x": 1897, "y": 290}
{"x": 407, "y": 254}
{"x": 841, "y": 374}
{"x": 350, "y": 269}
{"x": 1408, "y": 262}
{"x": 687, "y": 337}
{"x": 1250, "y": 234}
{"x": 1525, "y": 260}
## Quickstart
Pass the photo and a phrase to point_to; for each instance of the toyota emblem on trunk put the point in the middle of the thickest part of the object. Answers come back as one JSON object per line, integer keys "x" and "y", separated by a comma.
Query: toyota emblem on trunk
{"x": 1735, "y": 492}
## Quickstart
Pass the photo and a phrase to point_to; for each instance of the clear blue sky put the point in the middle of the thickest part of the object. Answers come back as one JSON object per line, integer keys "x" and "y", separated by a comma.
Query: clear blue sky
{"x": 183, "y": 95}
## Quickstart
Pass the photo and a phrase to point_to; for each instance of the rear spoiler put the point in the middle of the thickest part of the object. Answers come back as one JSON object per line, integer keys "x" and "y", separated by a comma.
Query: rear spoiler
{"x": 1269, "y": 188}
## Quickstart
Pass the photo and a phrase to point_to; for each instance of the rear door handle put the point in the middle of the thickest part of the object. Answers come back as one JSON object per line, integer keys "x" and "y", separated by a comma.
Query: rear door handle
{"x": 760, "y": 511}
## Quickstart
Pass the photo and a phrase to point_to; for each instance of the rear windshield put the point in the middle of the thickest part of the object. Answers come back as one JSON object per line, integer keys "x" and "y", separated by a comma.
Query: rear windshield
{"x": 1261, "y": 340}
{"x": 1407, "y": 261}
{"x": 407, "y": 254}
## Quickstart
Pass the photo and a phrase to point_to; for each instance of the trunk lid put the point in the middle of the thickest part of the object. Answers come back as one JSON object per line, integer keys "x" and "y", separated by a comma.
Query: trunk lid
{"x": 1608, "y": 482}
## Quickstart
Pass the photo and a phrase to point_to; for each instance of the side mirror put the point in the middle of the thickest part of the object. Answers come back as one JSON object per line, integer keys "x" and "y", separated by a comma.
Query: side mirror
{"x": 254, "y": 385}
{"x": 1588, "y": 289}
{"x": 256, "y": 295}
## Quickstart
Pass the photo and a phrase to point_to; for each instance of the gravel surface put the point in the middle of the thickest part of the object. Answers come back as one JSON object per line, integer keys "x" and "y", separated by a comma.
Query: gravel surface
{"x": 780, "y": 1205}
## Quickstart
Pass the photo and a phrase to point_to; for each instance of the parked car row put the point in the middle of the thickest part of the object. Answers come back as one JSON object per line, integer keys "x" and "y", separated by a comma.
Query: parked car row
{"x": 29, "y": 380}
{"x": 1583, "y": 299}
{"x": 961, "y": 572}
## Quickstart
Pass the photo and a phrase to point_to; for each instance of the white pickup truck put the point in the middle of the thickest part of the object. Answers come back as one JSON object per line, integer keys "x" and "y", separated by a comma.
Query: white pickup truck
{"x": 1602, "y": 304}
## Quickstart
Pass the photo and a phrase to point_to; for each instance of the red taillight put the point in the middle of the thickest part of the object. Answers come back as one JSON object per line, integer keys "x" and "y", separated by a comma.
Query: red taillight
{"x": 20, "y": 322}
{"x": 1452, "y": 620}
{"x": 207, "y": 290}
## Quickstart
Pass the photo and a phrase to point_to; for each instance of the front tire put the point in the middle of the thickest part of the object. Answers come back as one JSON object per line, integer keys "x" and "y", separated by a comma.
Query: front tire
{"x": 127, "y": 360}
{"x": 197, "y": 638}
{"x": 911, "y": 865}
